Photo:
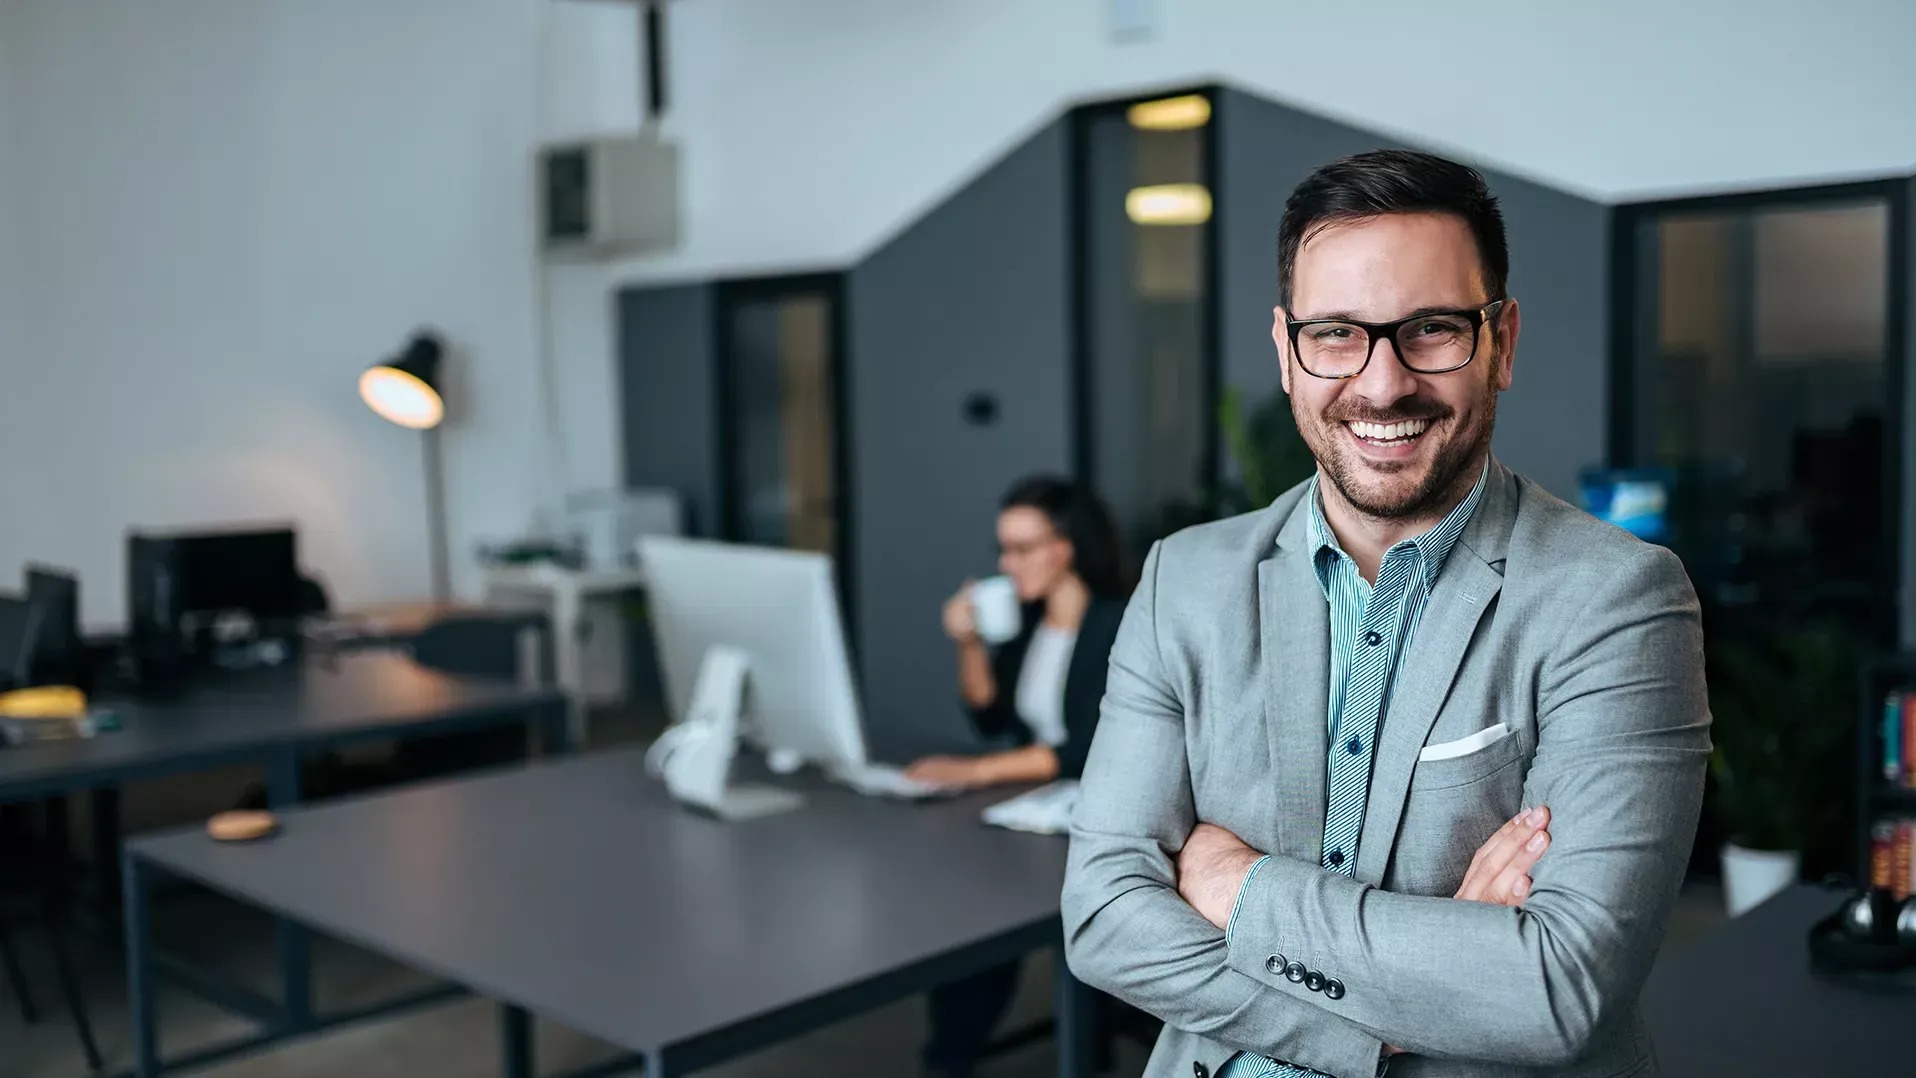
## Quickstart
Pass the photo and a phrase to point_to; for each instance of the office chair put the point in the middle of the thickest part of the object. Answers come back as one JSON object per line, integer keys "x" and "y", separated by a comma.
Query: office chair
{"x": 39, "y": 877}
{"x": 472, "y": 646}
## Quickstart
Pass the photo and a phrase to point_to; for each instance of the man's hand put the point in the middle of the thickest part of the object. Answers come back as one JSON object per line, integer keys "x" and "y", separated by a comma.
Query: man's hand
{"x": 1211, "y": 871}
{"x": 1500, "y": 873}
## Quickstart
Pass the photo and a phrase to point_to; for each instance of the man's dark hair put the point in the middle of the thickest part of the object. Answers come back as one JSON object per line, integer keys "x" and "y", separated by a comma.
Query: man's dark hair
{"x": 1392, "y": 181}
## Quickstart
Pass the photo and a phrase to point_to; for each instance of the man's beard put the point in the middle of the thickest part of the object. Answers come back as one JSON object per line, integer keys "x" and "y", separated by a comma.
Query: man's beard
{"x": 1440, "y": 481}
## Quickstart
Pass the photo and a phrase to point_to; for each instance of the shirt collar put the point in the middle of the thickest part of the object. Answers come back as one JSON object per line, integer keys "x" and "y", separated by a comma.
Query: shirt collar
{"x": 1432, "y": 547}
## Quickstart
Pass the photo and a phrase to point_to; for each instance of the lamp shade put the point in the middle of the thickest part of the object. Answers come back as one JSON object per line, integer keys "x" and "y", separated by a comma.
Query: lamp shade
{"x": 405, "y": 388}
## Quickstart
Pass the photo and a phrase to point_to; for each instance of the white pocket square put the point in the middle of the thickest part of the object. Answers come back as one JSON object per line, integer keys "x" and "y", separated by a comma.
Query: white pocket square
{"x": 1464, "y": 746}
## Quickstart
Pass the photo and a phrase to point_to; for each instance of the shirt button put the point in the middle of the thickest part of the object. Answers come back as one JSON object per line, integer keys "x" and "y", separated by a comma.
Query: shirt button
{"x": 1336, "y": 857}
{"x": 1355, "y": 747}
{"x": 1333, "y": 989}
{"x": 1294, "y": 973}
{"x": 1314, "y": 981}
{"x": 1274, "y": 965}
{"x": 1373, "y": 638}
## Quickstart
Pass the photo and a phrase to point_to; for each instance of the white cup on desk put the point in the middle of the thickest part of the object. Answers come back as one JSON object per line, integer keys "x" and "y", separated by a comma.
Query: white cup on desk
{"x": 995, "y": 609}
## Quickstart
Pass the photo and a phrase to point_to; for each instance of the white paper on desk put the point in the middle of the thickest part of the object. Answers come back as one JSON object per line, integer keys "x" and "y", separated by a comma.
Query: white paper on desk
{"x": 1045, "y": 810}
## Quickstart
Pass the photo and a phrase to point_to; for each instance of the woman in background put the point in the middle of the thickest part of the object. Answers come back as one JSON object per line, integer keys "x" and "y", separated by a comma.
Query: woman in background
{"x": 1042, "y": 689}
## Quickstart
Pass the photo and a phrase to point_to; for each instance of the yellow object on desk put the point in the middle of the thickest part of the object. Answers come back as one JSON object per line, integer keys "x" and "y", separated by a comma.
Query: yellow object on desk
{"x": 44, "y": 702}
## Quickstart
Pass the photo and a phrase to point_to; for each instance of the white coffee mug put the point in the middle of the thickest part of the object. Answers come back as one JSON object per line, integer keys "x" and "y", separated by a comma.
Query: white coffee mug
{"x": 995, "y": 609}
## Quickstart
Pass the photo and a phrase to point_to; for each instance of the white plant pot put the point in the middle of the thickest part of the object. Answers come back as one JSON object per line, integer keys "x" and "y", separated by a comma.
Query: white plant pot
{"x": 1750, "y": 877}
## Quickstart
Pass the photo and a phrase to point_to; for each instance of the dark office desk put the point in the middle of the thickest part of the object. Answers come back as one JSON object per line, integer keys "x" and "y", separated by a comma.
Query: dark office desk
{"x": 1742, "y": 1000}
{"x": 397, "y": 625}
{"x": 274, "y": 716}
{"x": 579, "y": 892}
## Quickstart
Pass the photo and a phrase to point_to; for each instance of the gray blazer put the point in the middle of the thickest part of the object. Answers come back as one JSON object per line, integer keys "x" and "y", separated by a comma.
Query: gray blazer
{"x": 1584, "y": 642}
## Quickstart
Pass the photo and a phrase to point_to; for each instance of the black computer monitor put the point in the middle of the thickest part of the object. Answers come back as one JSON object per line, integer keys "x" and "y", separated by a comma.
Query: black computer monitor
{"x": 17, "y": 627}
{"x": 254, "y": 571}
{"x": 59, "y": 652}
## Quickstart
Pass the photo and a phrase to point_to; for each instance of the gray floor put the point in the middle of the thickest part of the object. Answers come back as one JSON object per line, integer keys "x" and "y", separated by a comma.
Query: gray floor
{"x": 460, "y": 1039}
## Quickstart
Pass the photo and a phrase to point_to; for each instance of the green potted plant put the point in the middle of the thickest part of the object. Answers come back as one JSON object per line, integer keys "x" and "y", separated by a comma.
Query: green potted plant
{"x": 1270, "y": 454}
{"x": 1783, "y": 704}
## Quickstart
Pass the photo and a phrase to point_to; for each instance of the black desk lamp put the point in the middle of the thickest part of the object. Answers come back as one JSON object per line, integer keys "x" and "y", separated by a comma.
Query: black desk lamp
{"x": 405, "y": 389}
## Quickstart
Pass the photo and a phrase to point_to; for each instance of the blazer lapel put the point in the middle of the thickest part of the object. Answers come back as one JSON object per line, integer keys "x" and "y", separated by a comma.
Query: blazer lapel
{"x": 1470, "y": 580}
{"x": 1296, "y": 659}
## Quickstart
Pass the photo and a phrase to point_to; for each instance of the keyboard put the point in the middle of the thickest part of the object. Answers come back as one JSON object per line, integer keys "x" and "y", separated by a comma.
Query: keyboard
{"x": 884, "y": 780}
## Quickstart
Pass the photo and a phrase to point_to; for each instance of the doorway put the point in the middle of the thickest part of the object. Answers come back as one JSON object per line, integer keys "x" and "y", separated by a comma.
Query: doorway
{"x": 1145, "y": 365}
{"x": 1759, "y": 347}
{"x": 782, "y": 430}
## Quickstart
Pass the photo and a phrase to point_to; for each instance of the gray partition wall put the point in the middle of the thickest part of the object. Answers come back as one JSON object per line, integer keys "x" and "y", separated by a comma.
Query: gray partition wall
{"x": 959, "y": 353}
{"x": 668, "y": 375}
{"x": 1552, "y": 422}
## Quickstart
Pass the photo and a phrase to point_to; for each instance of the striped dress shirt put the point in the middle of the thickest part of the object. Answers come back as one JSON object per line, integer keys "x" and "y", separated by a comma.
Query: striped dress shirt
{"x": 1371, "y": 627}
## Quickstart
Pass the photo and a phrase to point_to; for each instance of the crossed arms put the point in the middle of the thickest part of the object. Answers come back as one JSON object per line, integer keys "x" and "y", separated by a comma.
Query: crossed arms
{"x": 1622, "y": 744}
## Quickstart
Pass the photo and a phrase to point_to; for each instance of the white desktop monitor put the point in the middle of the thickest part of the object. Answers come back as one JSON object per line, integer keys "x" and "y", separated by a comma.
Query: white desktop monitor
{"x": 780, "y": 608}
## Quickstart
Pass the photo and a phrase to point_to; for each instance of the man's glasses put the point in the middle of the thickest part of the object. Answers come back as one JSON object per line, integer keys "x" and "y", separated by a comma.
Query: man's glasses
{"x": 1431, "y": 343}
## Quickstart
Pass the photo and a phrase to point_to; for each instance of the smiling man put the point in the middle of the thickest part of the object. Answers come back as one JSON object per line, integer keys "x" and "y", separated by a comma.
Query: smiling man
{"x": 1400, "y": 773}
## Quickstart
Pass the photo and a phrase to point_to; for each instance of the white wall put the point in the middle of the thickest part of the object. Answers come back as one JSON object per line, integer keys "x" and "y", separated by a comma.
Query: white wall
{"x": 12, "y": 355}
{"x": 590, "y": 85}
{"x": 814, "y": 130}
{"x": 228, "y": 208}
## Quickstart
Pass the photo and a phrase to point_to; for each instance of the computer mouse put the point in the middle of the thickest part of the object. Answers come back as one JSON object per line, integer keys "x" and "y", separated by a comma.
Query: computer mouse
{"x": 783, "y": 761}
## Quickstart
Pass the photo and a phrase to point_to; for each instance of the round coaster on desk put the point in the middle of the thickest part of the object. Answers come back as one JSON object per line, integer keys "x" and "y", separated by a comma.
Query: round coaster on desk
{"x": 241, "y": 826}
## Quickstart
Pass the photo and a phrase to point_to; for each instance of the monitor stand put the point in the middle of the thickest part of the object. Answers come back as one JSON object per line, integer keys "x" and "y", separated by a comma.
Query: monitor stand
{"x": 695, "y": 757}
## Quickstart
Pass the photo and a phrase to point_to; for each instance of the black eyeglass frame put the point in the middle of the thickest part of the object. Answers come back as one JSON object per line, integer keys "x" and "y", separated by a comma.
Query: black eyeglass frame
{"x": 1380, "y": 330}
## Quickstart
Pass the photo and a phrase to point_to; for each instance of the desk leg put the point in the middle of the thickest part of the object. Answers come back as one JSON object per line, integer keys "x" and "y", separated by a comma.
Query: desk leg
{"x": 554, "y": 722}
{"x": 103, "y": 822}
{"x": 55, "y": 828}
{"x": 1077, "y": 1024}
{"x": 289, "y": 938}
{"x": 139, "y": 970}
{"x": 515, "y": 1042}
{"x": 568, "y": 627}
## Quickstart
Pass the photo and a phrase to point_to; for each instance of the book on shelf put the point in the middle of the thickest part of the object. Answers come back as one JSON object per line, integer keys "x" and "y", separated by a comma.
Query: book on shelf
{"x": 1906, "y": 744}
{"x": 1882, "y": 842}
{"x": 1898, "y": 736}
{"x": 1892, "y": 856}
{"x": 1893, "y": 737}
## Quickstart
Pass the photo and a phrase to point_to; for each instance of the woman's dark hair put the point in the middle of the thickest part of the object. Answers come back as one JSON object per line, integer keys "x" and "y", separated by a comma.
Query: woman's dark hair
{"x": 1393, "y": 181}
{"x": 1080, "y": 518}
